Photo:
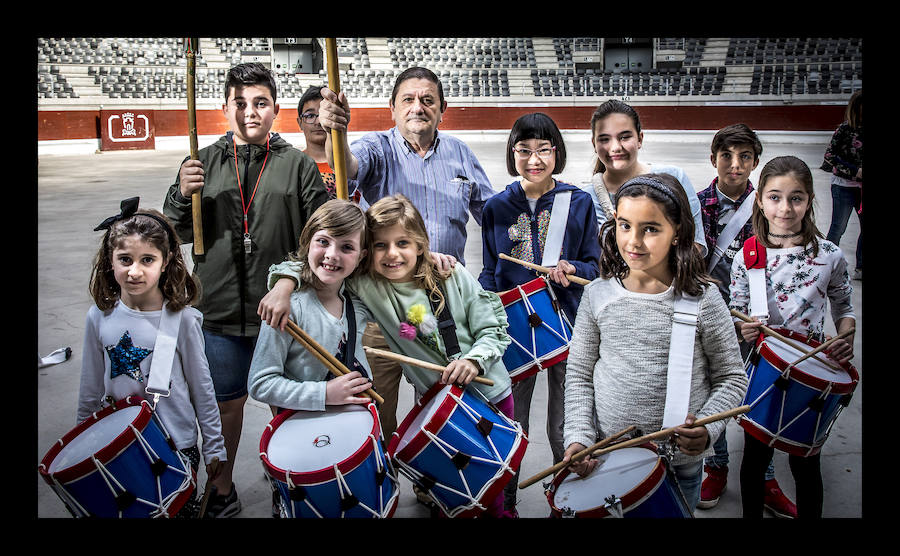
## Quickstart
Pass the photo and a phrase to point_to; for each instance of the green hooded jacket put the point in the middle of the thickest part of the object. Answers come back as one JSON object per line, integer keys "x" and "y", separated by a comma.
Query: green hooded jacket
{"x": 289, "y": 190}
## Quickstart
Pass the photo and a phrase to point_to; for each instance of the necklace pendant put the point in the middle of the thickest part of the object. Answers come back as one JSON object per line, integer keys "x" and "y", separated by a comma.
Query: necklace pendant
{"x": 247, "y": 244}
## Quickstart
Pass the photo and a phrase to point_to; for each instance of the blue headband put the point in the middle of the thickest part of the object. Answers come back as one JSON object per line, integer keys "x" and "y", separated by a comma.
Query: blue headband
{"x": 650, "y": 182}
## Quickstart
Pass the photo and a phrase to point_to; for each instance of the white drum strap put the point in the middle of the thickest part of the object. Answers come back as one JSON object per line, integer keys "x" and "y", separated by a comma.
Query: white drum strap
{"x": 559, "y": 215}
{"x": 681, "y": 360}
{"x": 163, "y": 353}
{"x": 731, "y": 230}
{"x": 759, "y": 302}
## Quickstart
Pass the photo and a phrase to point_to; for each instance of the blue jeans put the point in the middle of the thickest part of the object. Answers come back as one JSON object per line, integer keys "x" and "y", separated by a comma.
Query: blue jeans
{"x": 844, "y": 201}
{"x": 690, "y": 477}
{"x": 229, "y": 360}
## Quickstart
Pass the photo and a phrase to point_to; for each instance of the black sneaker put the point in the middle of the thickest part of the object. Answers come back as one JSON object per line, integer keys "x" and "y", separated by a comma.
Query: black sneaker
{"x": 220, "y": 506}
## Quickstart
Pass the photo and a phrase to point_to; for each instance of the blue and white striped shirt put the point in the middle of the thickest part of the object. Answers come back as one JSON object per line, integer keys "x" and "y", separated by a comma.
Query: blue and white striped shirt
{"x": 444, "y": 185}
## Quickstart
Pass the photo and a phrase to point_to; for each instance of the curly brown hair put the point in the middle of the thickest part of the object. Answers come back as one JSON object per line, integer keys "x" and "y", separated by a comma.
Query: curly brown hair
{"x": 178, "y": 286}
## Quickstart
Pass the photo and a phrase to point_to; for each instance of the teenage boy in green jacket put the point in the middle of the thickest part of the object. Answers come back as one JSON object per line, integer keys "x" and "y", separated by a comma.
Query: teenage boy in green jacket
{"x": 257, "y": 193}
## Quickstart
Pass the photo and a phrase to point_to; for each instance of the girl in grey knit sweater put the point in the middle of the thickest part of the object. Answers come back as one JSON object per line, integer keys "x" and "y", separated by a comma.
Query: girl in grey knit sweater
{"x": 619, "y": 355}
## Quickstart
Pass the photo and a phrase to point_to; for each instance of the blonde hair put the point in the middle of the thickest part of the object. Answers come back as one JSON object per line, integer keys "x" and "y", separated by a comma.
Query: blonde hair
{"x": 340, "y": 218}
{"x": 397, "y": 209}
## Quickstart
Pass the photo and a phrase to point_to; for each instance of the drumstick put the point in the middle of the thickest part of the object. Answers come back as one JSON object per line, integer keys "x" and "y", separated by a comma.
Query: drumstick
{"x": 822, "y": 346}
{"x": 666, "y": 432}
{"x": 545, "y": 270}
{"x": 788, "y": 341}
{"x": 330, "y": 361}
{"x": 337, "y": 137}
{"x": 203, "y": 502}
{"x": 575, "y": 457}
{"x": 191, "y": 46}
{"x": 418, "y": 363}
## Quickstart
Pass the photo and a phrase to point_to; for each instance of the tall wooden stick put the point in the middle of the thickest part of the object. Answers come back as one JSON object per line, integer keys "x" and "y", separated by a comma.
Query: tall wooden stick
{"x": 191, "y": 47}
{"x": 545, "y": 270}
{"x": 337, "y": 136}
{"x": 418, "y": 363}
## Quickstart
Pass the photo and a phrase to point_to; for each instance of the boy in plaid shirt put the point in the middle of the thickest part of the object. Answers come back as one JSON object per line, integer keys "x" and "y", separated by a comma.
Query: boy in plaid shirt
{"x": 735, "y": 154}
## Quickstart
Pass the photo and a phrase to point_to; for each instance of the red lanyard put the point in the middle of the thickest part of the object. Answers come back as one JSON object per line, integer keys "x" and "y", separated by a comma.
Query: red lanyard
{"x": 246, "y": 208}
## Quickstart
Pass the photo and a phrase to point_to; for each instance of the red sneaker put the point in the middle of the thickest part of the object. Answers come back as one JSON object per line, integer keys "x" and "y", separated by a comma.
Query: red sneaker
{"x": 777, "y": 503}
{"x": 713, "y": 486}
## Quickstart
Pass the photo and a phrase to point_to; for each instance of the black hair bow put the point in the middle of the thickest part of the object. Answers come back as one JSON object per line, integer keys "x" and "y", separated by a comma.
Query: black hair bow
{"x": 129, "y": 208}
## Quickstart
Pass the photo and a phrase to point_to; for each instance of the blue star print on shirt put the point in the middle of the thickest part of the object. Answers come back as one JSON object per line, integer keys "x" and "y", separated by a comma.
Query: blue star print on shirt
{"x": 125, "y": 358}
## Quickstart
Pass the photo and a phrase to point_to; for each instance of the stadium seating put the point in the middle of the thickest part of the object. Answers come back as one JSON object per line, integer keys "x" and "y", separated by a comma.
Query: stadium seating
{"x": 94, "y": 69}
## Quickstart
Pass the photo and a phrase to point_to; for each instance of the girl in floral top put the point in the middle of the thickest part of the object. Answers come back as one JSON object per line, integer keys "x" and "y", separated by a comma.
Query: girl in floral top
{"x": 803, "y": 270}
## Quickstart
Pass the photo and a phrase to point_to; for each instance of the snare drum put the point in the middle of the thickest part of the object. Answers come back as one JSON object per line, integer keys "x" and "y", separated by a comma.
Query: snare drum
{"x": 330, "y": 464}
{"x": 793, "y": 408}
{"x": 538, "y": 328}
{"x": 629, "y": 482}
{"x": 119, "y": 462}
{"x": 458, "y": 448}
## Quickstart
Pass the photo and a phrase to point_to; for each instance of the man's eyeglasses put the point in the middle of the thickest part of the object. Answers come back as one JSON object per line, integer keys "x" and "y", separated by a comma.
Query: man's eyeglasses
{"x": 525, "y": 154}
{"x": 309, "y": 117}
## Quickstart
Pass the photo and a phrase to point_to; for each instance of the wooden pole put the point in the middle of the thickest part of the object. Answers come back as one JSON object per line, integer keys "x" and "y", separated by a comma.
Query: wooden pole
{"x": 191, "y": 47}
{"x": 337, "y": 137}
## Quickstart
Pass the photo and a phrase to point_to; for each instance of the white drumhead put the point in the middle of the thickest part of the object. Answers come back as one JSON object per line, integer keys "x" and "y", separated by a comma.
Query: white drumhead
{"x": 314, "y": 440}
{"x": 811, "y": 366}
{"x": 425, "y": 415}
{"x": 618, "y": 473}
{"x": 94, "y": 438}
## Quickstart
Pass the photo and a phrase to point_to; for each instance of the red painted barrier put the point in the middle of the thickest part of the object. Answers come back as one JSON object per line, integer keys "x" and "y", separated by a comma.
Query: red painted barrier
{"x": 86, "y": 124}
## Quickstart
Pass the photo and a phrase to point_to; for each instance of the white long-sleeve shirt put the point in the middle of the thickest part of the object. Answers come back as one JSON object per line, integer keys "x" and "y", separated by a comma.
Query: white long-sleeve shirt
{"x": 116, "y": 361}
{"x": 618, "y": 361}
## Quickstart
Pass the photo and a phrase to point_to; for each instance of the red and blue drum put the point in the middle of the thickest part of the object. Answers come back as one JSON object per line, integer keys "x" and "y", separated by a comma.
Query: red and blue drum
{"x": 458, "y": 448}
{"x": 793, "y": 407}
{"x": 119, "y": 463}
{"x": 330, "y": 464}
{"x": 629, "y": 482}
{"x": 538, "y": 328}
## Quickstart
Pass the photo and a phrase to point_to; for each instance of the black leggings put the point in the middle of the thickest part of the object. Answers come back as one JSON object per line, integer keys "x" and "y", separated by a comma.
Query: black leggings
{"x": 806, "y": 471}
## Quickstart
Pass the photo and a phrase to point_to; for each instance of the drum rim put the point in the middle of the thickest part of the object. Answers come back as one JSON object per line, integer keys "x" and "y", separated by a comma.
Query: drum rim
{"x": 761, "y": 434}
{"x": 440, "y": 417}
{"x": 798, "y": 374}
{"x": 532, "y": 286}
{"x": 318, "y": 476}
{"x": 105, "y": 454}
{"x": 646, "y": 487}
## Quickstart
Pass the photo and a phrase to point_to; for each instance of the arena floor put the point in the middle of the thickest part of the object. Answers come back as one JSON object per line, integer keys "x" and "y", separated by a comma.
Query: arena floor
{"x": 76, "y": 191}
